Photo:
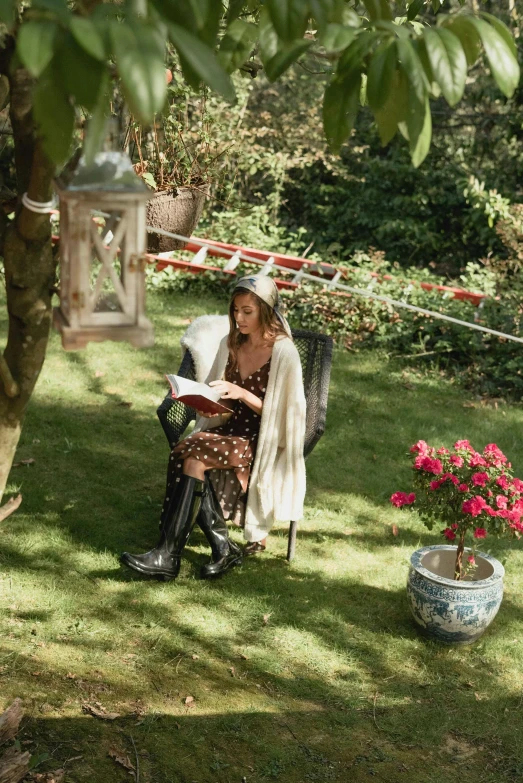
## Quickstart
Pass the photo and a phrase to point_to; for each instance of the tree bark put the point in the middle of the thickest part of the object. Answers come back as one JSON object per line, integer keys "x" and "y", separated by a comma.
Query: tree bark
{"x": 458, "y": 568}
{"x": 30, "y": 270}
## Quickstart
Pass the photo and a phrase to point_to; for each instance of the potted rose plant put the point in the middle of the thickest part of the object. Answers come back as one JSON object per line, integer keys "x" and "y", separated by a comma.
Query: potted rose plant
{"x": 454, "y": 590}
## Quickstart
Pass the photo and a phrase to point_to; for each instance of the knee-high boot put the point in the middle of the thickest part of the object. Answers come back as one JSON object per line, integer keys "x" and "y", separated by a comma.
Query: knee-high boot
{"x": 225, "y": 553}
{"x": 178, "y": 520}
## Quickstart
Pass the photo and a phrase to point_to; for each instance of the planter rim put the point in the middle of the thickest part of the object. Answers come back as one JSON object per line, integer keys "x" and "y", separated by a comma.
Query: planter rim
{"x": 180, "y": 190}
{"x": 419, "y": 554}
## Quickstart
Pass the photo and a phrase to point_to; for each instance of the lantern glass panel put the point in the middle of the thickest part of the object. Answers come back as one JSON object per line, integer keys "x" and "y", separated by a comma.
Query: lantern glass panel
{"x": 109, "y": 292}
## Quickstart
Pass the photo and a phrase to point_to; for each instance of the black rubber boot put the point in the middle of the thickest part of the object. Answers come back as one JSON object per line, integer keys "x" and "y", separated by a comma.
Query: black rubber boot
{"x": 225, "y": 553}
{"x": 163, "y": 562}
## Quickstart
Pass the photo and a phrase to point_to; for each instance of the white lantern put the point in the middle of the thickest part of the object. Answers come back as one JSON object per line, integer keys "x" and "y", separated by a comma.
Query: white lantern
{"x": 102, "y": 255}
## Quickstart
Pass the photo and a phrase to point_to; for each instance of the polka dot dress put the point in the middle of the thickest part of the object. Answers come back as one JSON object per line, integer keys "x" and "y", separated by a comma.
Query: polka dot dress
{"x": 227, "y": 451}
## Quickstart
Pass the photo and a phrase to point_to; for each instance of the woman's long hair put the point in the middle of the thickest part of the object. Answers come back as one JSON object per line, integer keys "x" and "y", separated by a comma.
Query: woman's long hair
{"x": 271, "y": 326}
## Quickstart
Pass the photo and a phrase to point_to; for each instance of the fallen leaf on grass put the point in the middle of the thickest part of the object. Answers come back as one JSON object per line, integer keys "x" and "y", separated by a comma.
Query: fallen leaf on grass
{"x": 232, "y": 671}
{"x": 124, "y": 404}
{"x": 99, "y": 374}
{"x": 395, "y": 530}
{"x": 243, "y": 657}
{"x": 195, "y": 657}
{"x": 97, "y": 711}
{"x": 29, "y": 461}
{"x": 266, "y": 618}
{"x": 186, "y": 321}
{"x": 36, "y": 674}
{"x": 58, "y": 776}
{"x": 120, "y": 758}
{"x": 70, "y": 676}
{"x": 189, "y": 701}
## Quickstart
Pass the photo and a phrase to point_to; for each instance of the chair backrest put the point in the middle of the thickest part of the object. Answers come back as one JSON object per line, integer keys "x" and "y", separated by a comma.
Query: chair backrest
{"x": 315, "y": 351}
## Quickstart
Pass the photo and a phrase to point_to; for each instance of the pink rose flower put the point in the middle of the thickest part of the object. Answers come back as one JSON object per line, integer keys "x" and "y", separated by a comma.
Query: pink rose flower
{"x": 432, "y": 466}
{"x": 477, "y": 461}
{"x": 400, "y": 499}
{"x": 454, "y": 526}
{"x": 435, "y": 485}
{"x": 480, "y": 532}
{"x": 420, "y": 447}
{"x": 449, "y": 534}
{"x": 501, "y": 501}
{"x": 494, "y": 454}
{"x": 442, "y": 451}
{"x": 456, "y": 460}
{"x": 517, "y": 484}
{"x": 474, "y": 506}
{"x": 471, "y": 559}
{"x": 463, "y": 444}
{"x": 502, "y": 482}
{"x": 463, "y": 488}
{"x": 479, "y": 479}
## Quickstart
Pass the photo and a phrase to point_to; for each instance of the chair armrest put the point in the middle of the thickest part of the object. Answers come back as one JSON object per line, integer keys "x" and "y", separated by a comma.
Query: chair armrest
{"x": 174, "y": 416}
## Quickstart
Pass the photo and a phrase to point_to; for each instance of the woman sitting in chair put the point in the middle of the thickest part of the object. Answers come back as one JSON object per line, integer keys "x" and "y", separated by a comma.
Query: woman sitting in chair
{"x": 258, "y": 447}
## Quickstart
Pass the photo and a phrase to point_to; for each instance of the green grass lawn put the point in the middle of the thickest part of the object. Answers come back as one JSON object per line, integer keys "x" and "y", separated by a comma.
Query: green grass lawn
{"x": 305, "y": 672}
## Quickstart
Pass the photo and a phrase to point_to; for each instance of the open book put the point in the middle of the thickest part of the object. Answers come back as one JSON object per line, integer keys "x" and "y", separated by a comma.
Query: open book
{"x": 196, "y": 395}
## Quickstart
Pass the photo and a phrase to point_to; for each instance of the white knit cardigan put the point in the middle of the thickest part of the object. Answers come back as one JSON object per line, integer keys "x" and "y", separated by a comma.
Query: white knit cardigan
{"x": 277, "y": 481}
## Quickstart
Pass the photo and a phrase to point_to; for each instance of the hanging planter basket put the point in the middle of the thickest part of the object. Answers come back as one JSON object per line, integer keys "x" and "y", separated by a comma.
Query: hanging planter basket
{"x": 177, "y": 211}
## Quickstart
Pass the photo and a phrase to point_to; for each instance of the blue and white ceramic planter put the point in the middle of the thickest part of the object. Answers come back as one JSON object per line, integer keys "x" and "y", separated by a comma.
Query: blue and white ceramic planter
{"x": 449, "y": 611}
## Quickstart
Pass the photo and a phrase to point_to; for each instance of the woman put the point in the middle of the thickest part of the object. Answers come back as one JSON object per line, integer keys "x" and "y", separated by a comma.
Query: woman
{"x": 259, "y": 446}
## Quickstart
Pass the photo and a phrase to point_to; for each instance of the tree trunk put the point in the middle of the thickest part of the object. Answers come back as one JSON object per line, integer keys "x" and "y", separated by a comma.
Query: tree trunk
{"x": 29, "y": 275}
{"x": 458, "y": 568}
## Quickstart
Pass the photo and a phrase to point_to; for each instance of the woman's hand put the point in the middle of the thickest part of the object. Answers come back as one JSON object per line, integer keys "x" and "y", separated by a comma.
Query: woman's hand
{"x": 228, "y": 391}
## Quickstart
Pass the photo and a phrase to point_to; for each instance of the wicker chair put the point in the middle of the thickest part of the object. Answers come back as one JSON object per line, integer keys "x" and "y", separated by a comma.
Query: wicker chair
{"x": 316, "y": 358}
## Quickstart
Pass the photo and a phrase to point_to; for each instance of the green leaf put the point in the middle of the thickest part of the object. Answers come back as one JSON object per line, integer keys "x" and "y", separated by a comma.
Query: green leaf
{"x": 461, "y": 27}
{"x": 378, "y": 9}
{"x": 413, "y": 69}
{"x": 420, "y": 147}
{"x": 237, "y": 44}
{"x": 503, "y": 31}
{"x": 207, "y": 14}
{"x": 503, "y": 64}
{"x": 234, "y": 9}
{"x": 448, "y": 62}
{"x": 81, "y": 75}
{"x": 436, "y": 5}
{"x": 202, "y": 60}
{"x": 87, "y": 35}
{"x": 288, "y": 54}
{"x": 267, "y": 36}
{"x": 141, "y": 69}
{"x": 58, "y": 7}
{"x": 54, "y": 116}
{"x": 149, "y": 179}
{"x": 7, "y": 12}
{"x": 380, "y": 74}
{"x": 97, "y": 124}
{"x": 352, "y": 57}
{"x": 395, "y": 109}
{"x": 180, "y": 12}
{"x": 325, "y": 11}
{"x": 337, "y": 37}
{"x": 289, "y": 18}
{"x": 35, "y": 45}
{"x": 340, "y": 108}
{"x": 414, "y": 9}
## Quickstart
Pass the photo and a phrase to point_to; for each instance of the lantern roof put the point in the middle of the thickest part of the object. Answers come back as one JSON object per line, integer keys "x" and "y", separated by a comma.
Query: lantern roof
{"x": 110, "y": 172}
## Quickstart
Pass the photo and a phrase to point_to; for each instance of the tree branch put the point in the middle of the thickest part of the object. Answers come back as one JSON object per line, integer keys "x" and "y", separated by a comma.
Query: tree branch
{"x": 10, "y": 385}
{"x": 5, "y": 511}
